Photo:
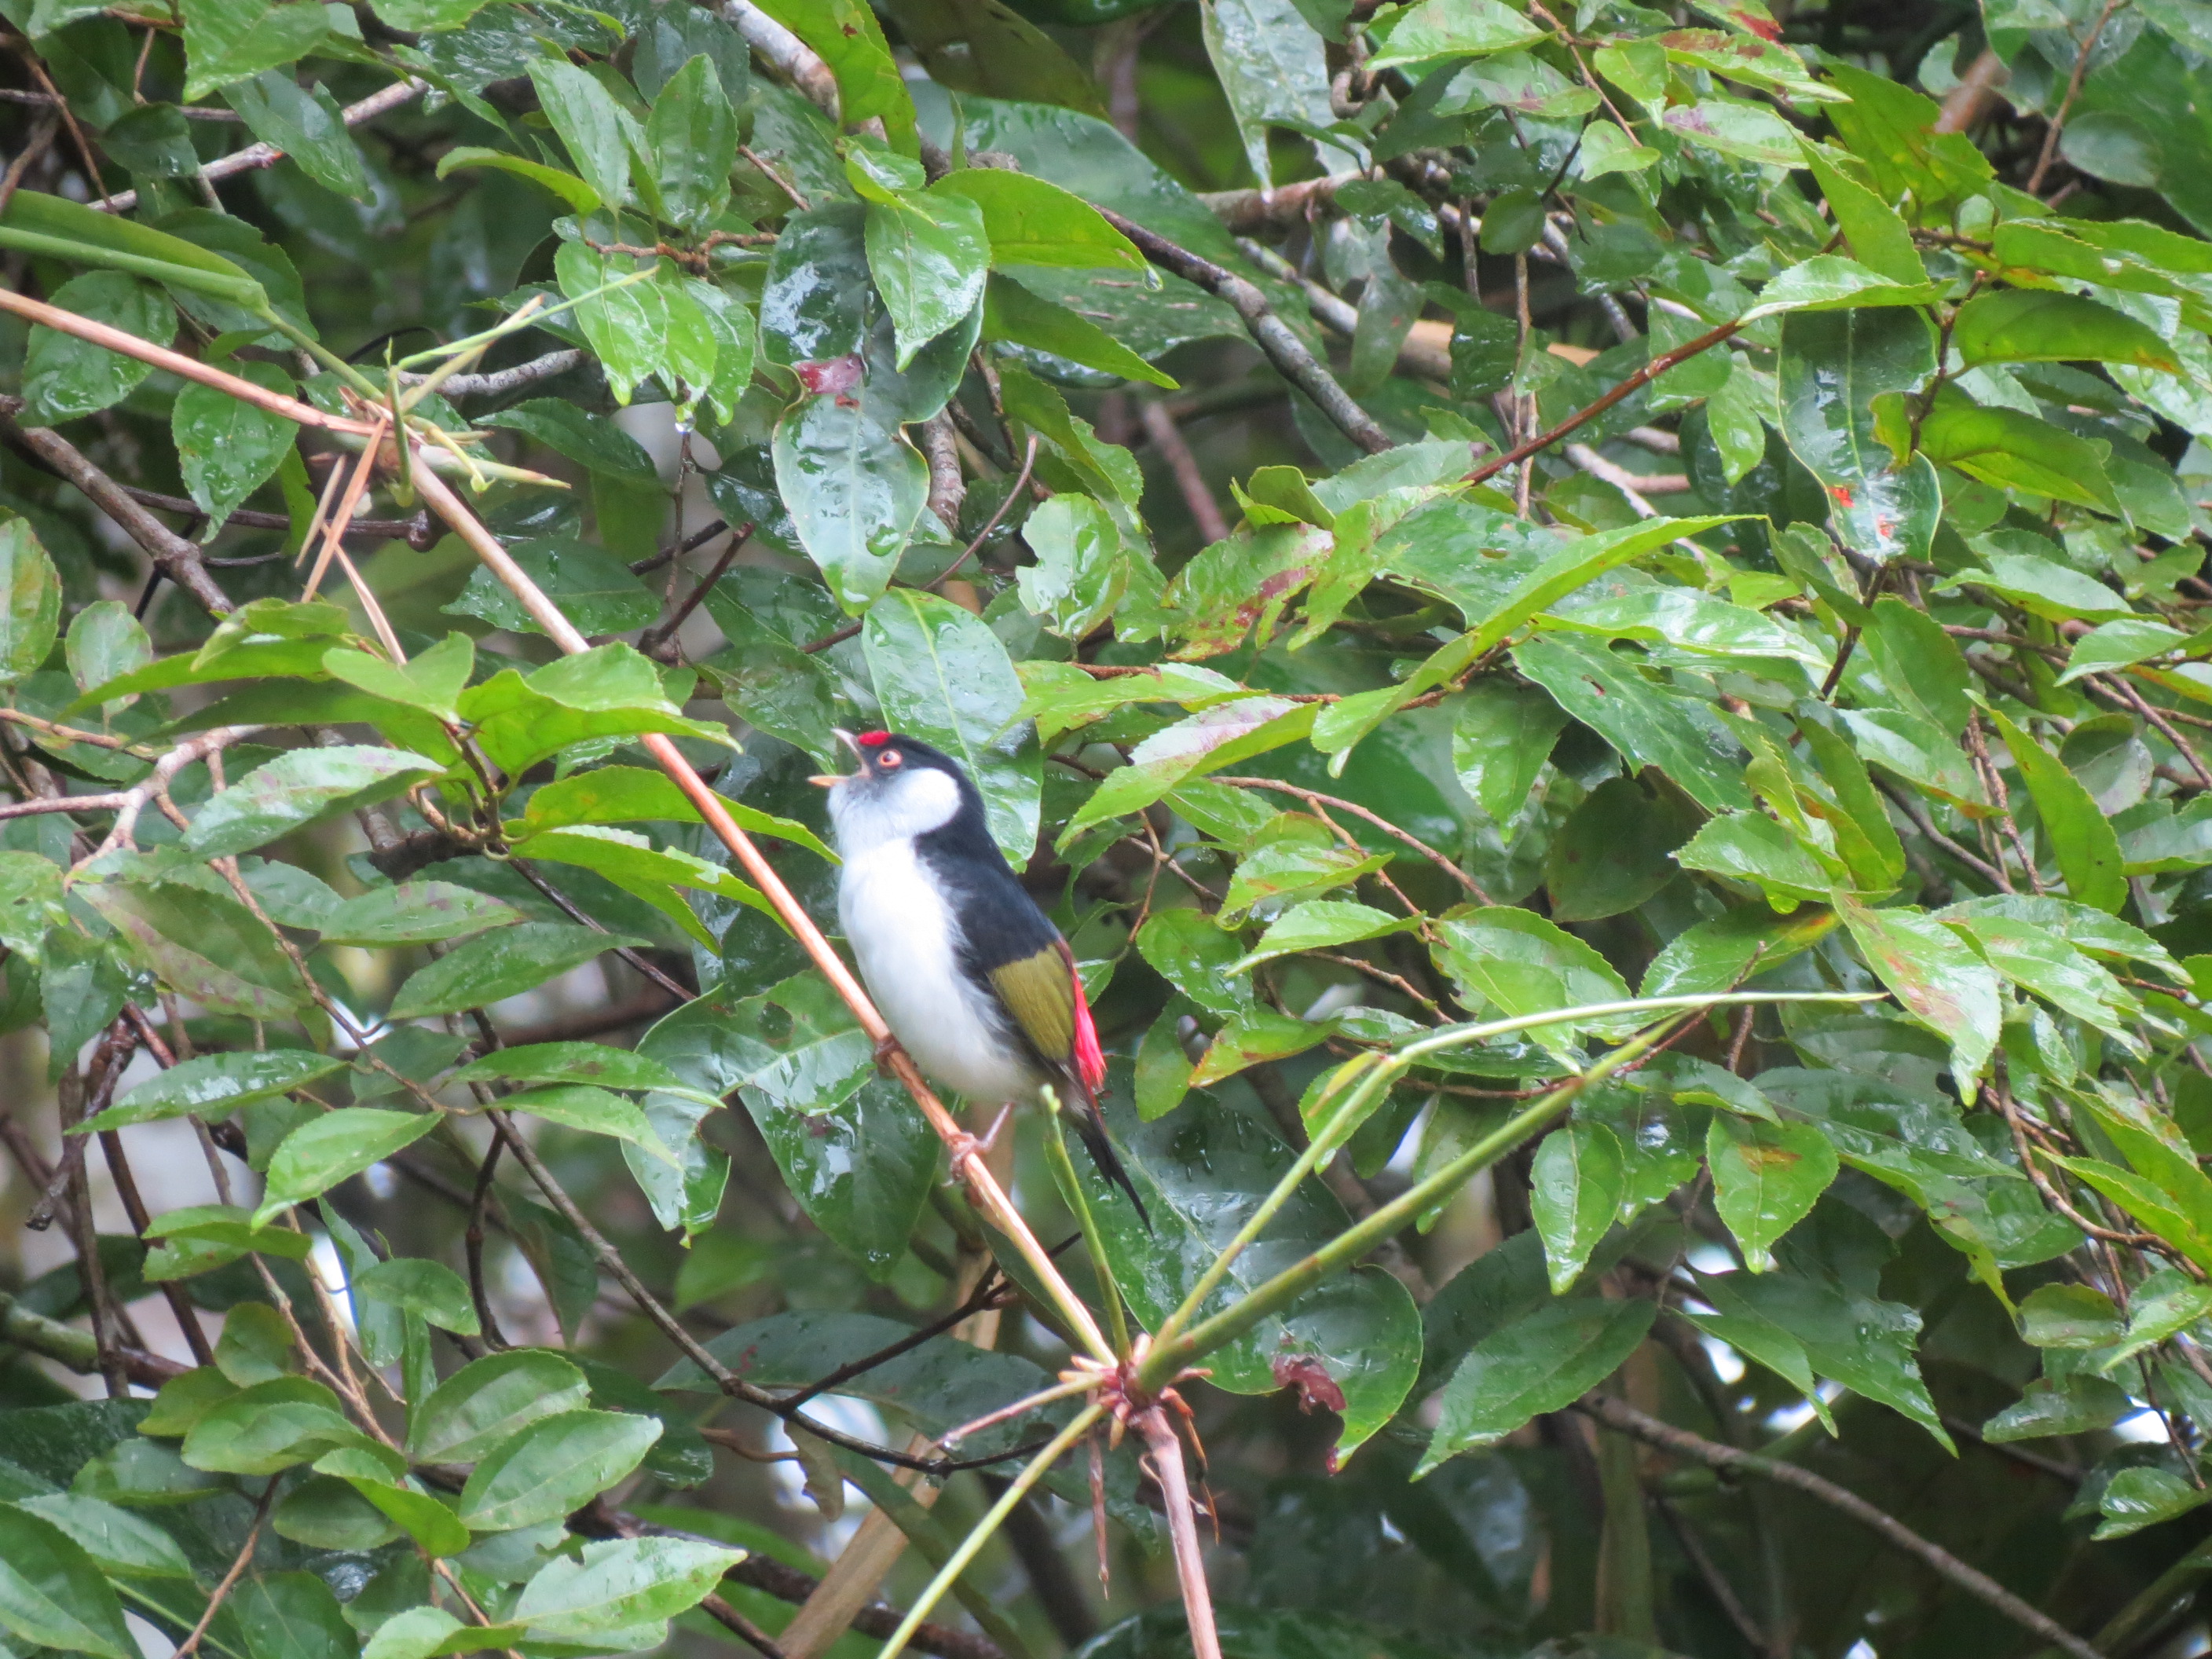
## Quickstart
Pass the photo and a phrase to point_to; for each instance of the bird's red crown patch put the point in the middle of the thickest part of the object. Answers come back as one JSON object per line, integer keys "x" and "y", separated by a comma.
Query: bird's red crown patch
{"x": 873, "y": 739}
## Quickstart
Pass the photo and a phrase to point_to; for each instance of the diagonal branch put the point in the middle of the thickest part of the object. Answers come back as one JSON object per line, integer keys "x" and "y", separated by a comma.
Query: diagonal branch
{"x": 173, "y": 555}
{"x": 1269, "y": 332}
{"x": 1620, "y": 1415}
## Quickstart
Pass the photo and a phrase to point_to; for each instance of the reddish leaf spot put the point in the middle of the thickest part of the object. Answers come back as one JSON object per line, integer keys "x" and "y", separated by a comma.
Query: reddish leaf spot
{"x": 1765, "y": 1160}
{"x": 1765, "y": 28}
{"x": 1842, "y": 493}
{"x": 837, "y": 375}
{"x": 1317, "y": 1389}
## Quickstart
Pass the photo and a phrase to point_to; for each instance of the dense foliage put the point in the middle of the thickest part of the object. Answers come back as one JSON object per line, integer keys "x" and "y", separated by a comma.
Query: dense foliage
{"x": 1589, "y": 618}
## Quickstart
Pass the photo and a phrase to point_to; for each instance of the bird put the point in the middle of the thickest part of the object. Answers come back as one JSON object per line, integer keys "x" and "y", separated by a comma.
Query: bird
{"x": 971, "y": 976}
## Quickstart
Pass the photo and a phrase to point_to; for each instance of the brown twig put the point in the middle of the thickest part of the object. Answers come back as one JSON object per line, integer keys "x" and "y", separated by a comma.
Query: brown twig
{"x": 1313, "y": 797}
{"x": 40, "y": 141}
{"x": 1167, "y": 438}
{"x": 189, "y": 1646}
{"x": 173, "y": 555}
{"x": 1165, "y": 1449}
{"x": 1269, "y": 332}
{"x": 1618, "y": 1414}
{"x": 654, "y": 639}
{"x": 2049, "y": 150}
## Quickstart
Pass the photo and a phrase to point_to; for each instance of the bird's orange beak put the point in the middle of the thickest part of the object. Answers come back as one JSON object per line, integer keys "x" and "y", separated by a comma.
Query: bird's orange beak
{"x": 831, "y": 780}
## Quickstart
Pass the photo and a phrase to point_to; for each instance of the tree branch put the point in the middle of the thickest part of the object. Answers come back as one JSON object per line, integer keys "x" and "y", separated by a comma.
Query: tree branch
{"x": 267, "y": 155}
{"x": 1269, "y": 332}
{"x": 173, "y": 555}
{"x": 1620, "y": 1415}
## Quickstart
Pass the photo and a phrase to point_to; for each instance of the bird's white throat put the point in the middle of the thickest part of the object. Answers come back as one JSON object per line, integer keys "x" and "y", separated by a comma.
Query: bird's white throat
{"x": 871, "y": 812}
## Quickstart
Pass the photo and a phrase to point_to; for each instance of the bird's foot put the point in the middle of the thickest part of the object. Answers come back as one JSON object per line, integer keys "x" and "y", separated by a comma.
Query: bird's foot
{"x": 966, "y": 1145}
{"x": 886, "y": 1046}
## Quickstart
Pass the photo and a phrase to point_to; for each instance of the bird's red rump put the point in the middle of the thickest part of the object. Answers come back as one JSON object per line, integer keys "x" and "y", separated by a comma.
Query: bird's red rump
{"x": 872, "y": 739}
{"x": 1090, "y": 1059}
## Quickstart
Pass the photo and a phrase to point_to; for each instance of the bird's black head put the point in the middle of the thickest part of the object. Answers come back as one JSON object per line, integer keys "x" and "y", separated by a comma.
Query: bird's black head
{"x": 902, "y": 788}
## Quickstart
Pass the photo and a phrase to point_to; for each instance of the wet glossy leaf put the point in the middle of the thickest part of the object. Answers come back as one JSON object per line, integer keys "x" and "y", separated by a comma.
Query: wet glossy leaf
{"x": 1766, "y": 1177}
{"x": 2135, "y": 1499}
{"x": 2016, "y": 451}
{"x": 1937, "y": 978}
{"x": 1832, "y": 366}
{"x": 1435, "y": 29}
{"x": 301, "y": 787}
{"x": 52, "y": 1594}
{"x": 1647, "y": 723}
{"x": 854, "y": 487}
{"x": 1320, "y": 925}
{"x": 552, "y": 1467}
{"x": 209, "y": 948}
{"x": 488, "y": 1400}
{"x": 943, "y": 676}
{"x": 415, "y": 913}
{"x": 692, "y": 135}
{"x": 64, "y": 377}
{"x": 594, "y": 590}
{"x": 929, "y": 253}
{"x": 1201, "y": 1170}
{"x": 2068, "y": 1317}
{"x": 418, "y": 1287}
{"x": 269, "y": 1427}
{"x": 1538, "y": 1362}
{"x": 2080, "y": 1404}
{"x": 321, "y": 1153}
{"x": 120, "y": 1543}
{"x": 234, "y": 39}
{"x": 1614, "y": 851}
{"x": 2023, "y": 325}
{"x": 30, "y": 601}
{"x": 1576, "y": 1187}
{"x": 1501, "y": 736}
{"x": 507, "y": 963}
{"x": 621, "y": 1584}
{"x": 212, "y": 1085}
{"x": 306, "y": 124}
{"x": 105, "y": 642}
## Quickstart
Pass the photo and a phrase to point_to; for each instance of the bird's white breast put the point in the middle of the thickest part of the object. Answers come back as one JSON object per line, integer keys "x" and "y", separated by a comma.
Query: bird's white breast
{"x": 907, "y": 943}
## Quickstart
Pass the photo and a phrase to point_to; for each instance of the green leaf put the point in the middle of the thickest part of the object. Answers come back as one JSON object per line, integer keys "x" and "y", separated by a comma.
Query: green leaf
{"x": 1502, "y": 734}
{"x": 594, "y": 1111}
{"x": 2118, "y": 644}
{"x": 1649, "y": 724}
{"x": 504, "y": 963}
{"x": 854, "y": 487}
{"x": 1320, "y": 925}
{"x": 1082, "y": 567}
{"x": 1748, "y": 131}
{"x": 1518, "y": 962}
{"x": 1575, "y": 1186}
{"x": 1938, "y": 978}
{"x": 621, "y": 1584}
{"x": 1202, "y": 1172}
{"x": 234, "y": 40}
{"x": 851, "y": 43}
{"x": 1766, "y": 1177}
{"x": 121, "y": 1544}
{"x": 1030, "y": 221}
{"x": 626, "y": 794}
{"x": 552, "y": 1467}
{"x": 1541, "y": 1362}
{"x": 567, "y": 186}
{"x": 212, "y": 1085}
{"x": 1431, "y": 30}
{"x": 227, "y": 449}
{"x": 488, "y": 1400}
{"x": 306, "y": 124}
{"x": 30, "y": 601}
{"x": 2014, "y": 451}
{"x": 232, "y": 1224}
{"x": 1614, "y": 851}
{"x": 609, "y": 692}
{"x": 1832, "y": 366}
{"x": 570, "y": 1062}
{"x": 2140, "y": 1497}
{"x": 325, "y": 1151}
{"x": 2081, "y": 1404}
{"x": 208, "y": 947}
{"x": 52, "y": 1594}
{"x": 2035, "y": 325}
{"x": 692, "y": 135}
{"x": 2081, "y": 837}
{"x": 2068, "y": 1317}
{"x": 597, "y": 129}
{"x": 105, "y": 642}
{"x": 293, "y": 1615}
{"x": 415, "y": 913}
{"x": 269, "y": 1427}
{"x": 1750, "y": 846}
{"x": 300, "y": 787}
{"x": 594, "y": 589}
{"x": 255, "y": 1346}
{"x": 943, "y": 676}
{"x": 64, "y": 377}
{"x": 427, "y": 1288}
{"x": 1014, "y": 315}
{"x": 594, "y": 442}
{"x": 928, "y": 254}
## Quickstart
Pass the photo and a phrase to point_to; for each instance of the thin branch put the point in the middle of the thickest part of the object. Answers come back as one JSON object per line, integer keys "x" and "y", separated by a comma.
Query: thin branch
{"x": 528, "y": 871}
{"x": 1641, "y": 378}
{"x": 948, "y": 487}
{"x": 2049, "y": 150}
{"x": 790, "y": 57}
{"x": 173, "y": 555}
{"x": 189, "y": 1646}
{"x": 652, "y": 639}
{"x": 77, "y": 1350}
{"x": 499, "y": 382}
{"x": 1269, "y": 332}
{"x": 1167, "y": 438}
{"x": 1313, "y": 797}
{"x": 267, "y": 155}
{"x": 1618, "y": 1414}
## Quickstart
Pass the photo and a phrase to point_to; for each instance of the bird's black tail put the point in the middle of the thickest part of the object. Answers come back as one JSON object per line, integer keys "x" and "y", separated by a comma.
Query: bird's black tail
{"x": 1092, "y": 1128}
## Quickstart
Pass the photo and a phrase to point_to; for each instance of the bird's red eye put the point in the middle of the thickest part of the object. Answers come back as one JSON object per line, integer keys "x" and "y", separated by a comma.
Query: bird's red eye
{"x": 888, "y": 759}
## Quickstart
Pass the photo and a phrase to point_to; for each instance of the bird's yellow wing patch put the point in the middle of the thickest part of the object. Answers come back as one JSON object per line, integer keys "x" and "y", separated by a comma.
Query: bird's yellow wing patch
{"x": 1039, "y": 992}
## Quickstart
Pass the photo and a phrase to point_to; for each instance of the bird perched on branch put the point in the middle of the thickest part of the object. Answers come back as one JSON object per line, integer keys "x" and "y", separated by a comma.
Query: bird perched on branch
{"x": 971, "y": 976}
